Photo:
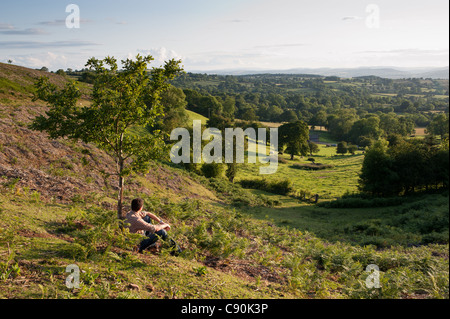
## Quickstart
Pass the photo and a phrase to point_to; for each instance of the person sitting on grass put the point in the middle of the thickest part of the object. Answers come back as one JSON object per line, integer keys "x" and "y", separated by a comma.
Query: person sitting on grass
{"x": 141, "y": 223}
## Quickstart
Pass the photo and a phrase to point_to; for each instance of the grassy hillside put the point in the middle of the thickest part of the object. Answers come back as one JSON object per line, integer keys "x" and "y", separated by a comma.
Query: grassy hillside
{"x": 195, "y": 116}
{"x": 57, "y": 207}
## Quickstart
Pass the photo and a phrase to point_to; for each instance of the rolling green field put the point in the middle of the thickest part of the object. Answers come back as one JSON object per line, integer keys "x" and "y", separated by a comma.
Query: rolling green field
{"x": 331, "y": 183}
{"x": 366, "y": 225}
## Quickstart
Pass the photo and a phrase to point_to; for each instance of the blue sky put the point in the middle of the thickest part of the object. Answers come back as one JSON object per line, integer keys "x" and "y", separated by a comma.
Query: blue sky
{"x": 232, "y": 34}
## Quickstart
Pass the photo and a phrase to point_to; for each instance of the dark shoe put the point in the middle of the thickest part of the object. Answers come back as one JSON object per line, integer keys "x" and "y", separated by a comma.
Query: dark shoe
{"x": 176, "y": 250}
{"x": 150, "y": 247}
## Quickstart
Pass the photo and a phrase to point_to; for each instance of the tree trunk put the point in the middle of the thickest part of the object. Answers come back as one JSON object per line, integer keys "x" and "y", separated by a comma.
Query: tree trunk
{"x": 120, "y": 199}
{"x": 120, "y": 214}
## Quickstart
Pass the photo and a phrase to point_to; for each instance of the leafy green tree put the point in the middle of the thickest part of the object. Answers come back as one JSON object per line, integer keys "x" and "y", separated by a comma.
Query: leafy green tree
{"x": 340, "y": 123}
{"x": 88, "y": 77}
{"x": 121, "y": 100}
{"x": 395, "y": 139}
{"x": 365, "y": 130}
{"x": 319, "y": 119}
{"x": 288, "y": 116}
{"x": 378, "y": 176}
{"x": 174, "y": 104}
{"x": 342, "y": 148}
{"x": 61, "y": 72}
{"x": 405, "y": 106}
{"x": 232, "y": 169}
{"x": 249, "y": 115}
{"x": 390, "y": 123}
{"x": 410, "y": 162}
{"x": 439, "y": 125}
{"x": 205, "y": 105}
{"x": 352, "y": 149}
{"x": 220, "y": 122}
{"x": 313, "y": 148}
{"x": 229, "y": 106}
{"x": 272, "y": 114}
{"x": 440, "y": 167}
{"x": 405, "y": 167}
{"x": 294, "y": 136}
{"x": 212, "y": 170}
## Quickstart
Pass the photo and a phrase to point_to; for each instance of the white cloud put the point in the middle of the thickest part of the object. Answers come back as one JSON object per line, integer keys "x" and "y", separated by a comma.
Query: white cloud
{"x": 161, "y": 55}
{"x": 6, "y": 26}
{"x": 115, "y": 21}
{"x": 223, "y": 60}
{"x": 29, "y": 31}
{"x": 51, "y": 60}
{"x": 60, "y": 22}
{"x": 352, "y": 18}
{"x": 43, "y": 45}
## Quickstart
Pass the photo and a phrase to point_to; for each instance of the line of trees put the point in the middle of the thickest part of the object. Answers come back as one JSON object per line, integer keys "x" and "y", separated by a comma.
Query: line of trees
{"x": 273, "y": 98}
{"x": 353, "y": 110}
{"x": 405, "y": 167}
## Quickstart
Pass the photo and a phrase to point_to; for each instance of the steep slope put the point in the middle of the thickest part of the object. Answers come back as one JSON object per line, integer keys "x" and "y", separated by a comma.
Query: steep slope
{"x": 61, "y": 169}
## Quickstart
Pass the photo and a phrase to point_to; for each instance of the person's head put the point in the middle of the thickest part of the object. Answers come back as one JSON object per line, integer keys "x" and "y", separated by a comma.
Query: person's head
{"x": 137, "y": 204}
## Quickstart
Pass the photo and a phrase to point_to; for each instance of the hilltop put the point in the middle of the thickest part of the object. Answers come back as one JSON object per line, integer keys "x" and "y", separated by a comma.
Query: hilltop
{"x": 384, "y": 72}
{"x": 57, "y": 207}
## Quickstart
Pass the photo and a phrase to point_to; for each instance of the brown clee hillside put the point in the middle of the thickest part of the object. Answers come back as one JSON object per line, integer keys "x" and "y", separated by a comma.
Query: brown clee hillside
{"x": 62, "y": 170}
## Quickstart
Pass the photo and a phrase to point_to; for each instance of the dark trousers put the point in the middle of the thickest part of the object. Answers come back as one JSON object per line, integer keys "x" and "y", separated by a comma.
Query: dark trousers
{"x": 152, "y": 238}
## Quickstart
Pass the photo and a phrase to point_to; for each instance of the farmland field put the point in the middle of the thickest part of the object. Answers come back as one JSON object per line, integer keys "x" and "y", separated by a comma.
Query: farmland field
{"x": 329, "y": 184}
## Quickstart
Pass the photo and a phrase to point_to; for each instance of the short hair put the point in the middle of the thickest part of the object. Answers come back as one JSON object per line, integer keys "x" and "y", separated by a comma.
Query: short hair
{"x": 137, "y": 204}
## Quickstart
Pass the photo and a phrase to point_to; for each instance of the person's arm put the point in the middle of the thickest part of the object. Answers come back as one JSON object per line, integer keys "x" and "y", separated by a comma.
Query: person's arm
{"x": 154, "y": 217}
{"x": 161, "y": 227}
{"x": 140, "y": 224}
{"x": 137, "y": 224}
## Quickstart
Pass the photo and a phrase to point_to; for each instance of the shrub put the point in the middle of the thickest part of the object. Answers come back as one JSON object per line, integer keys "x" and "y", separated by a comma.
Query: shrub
{"x": 312, "y": 166}
{"x": 212, "y": 170}
{"x": 356, "y": 201}
{"x": 280, "y": 187}
{"x": 342, "y": 148}
{"x": 193, "y": 167}
{"x": 305, "y": 195}
{"x": 237, "y": 195}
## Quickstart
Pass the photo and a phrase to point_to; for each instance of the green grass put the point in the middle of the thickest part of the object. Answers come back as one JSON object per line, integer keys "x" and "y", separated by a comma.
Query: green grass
{"x": 329, "y": 184}
{"x": 413, "y": 222}
{"x": 195, "y": 116}
{"x": 325, "y": 137}
{"x": 297, "y": 251}
{"x": 7, "y": 85}
{"x": 37, "y": 237}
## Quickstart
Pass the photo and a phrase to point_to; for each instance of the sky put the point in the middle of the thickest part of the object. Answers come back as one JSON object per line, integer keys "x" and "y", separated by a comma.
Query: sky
{"x": 210, "y": 35}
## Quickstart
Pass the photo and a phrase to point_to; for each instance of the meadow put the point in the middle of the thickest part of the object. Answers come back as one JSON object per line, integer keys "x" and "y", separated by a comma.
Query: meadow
{"x": 340, "y": 218}
{"x": 340, "y": 178}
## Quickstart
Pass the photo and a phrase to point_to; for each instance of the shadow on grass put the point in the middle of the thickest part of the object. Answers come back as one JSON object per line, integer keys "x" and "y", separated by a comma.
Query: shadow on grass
{"x": 411, "y": 223}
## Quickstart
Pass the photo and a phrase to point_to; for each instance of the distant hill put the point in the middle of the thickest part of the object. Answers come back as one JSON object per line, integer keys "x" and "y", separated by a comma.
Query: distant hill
{"x": 384, "y": 72}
